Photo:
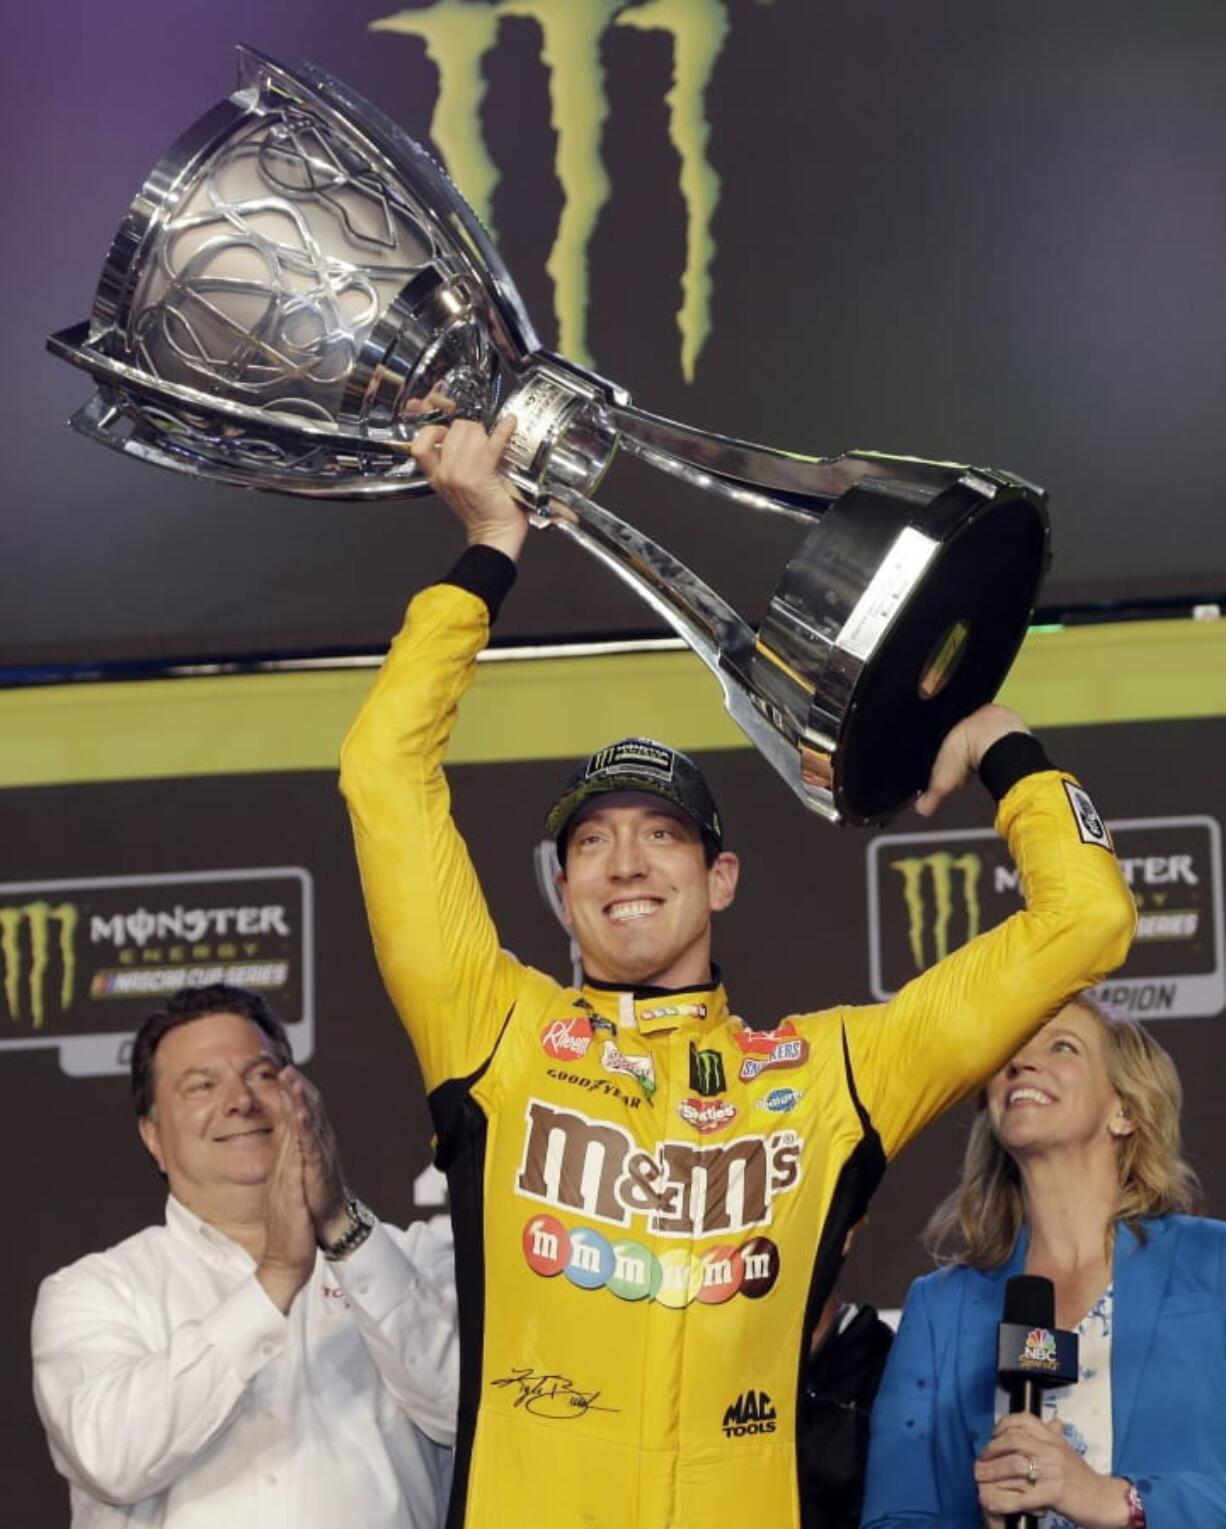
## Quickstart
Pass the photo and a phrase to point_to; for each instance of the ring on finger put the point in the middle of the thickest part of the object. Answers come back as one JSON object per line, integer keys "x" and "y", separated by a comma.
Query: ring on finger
{"x": 1032, "y": 1471}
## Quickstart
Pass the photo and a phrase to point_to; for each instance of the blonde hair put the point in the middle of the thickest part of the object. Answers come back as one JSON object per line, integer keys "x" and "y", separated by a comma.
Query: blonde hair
{"x": 979, "y": 1222}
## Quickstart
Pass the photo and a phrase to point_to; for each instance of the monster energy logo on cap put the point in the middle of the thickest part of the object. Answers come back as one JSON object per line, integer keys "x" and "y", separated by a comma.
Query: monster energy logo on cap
{"x": 632, "y": 754}
{"x": 638, "y": 764}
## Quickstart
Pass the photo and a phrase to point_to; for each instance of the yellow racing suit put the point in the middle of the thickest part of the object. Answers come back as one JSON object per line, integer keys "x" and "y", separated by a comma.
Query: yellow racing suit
{"x": 651, "y": 1198}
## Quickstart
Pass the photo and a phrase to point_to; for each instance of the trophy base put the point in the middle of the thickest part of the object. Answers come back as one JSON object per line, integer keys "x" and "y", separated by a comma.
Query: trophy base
{"x": 894, "y": 620}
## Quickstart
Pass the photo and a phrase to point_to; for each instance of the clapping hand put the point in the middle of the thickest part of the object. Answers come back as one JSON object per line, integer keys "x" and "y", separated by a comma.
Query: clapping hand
{"x": 289, "y": 1231}
{"x": 323, "y": 1178}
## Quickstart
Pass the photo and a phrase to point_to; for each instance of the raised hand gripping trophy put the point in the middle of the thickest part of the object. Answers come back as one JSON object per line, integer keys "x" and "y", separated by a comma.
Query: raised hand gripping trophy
{"x": 297, "y": 272}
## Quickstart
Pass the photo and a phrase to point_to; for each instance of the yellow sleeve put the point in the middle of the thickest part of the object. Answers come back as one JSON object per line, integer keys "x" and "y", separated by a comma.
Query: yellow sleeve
{"x": 434, "y": 939}
{"x": 949, "y": 1029}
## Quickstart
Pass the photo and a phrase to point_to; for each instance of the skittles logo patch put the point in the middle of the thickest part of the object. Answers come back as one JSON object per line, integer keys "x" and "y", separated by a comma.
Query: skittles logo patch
{"x": 707, "y": 1115}
{"x": 632, "y": 1272}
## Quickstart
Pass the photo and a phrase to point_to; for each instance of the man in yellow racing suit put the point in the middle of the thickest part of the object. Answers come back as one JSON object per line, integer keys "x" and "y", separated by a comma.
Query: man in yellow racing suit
{"x": 651, "y": 1197}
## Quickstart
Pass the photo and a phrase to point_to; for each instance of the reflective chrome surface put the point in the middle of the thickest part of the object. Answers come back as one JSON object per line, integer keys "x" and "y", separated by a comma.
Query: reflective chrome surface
{"x": 298, "y": 287}
{"x": 295, "y": 269}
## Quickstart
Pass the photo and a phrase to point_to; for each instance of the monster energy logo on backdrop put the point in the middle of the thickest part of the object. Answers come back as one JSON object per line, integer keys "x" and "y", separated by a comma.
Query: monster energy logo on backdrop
{"x": 82, "y": 960}
{"x": 942, "y": 874}
{"x": 928, "y": 893}
{"x": 458, "y": 35}
{"x": 706, "y": 1072}
{"x": 26, "y": 936}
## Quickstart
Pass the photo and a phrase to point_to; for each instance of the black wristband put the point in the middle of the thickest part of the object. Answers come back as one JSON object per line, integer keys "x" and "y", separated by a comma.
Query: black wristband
{"x": 1009, "y": 760}
{"x": 485, "y": 572}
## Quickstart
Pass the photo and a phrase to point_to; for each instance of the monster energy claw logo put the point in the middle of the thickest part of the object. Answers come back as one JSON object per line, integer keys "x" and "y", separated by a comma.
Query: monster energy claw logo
{"x": 459, "y": 33}
{"x": 706, "y": 1072}
{"x": 943, "y": 872}
{"x": 25, "y": 954}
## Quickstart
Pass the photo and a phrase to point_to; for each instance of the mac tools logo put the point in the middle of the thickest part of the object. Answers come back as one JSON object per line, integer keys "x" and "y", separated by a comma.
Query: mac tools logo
{"x": 752, "y": 1412}
{"x": 82, "y": 961}
{"x": 930, "y": 893}
{"x": 460, "y": 38}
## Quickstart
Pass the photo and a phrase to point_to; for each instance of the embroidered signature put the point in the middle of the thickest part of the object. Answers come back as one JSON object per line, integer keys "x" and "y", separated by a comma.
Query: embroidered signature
{"x": 550, "y": 1396}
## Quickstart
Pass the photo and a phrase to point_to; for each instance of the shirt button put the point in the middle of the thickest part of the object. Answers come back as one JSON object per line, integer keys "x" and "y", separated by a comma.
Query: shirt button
{"x": 363, "y": 1287}
{"x": 271, "y": 1480}
{"x": 266, "y": 1349}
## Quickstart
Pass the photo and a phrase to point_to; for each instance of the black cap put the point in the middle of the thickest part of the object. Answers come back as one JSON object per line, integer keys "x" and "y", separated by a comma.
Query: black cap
{"x": 638, "y": 764}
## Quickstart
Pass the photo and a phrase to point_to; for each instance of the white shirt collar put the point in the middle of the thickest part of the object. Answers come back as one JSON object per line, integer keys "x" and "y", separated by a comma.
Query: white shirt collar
{"x": 190, "y": 1229}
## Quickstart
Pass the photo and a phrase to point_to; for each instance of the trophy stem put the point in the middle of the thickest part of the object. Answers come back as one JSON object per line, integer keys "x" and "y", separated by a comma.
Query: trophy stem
{"x": 696, "y": 612}
{"x": 708, "y": 624}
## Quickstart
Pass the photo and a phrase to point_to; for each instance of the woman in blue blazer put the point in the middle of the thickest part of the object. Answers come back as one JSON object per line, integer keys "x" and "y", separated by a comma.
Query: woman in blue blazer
{"x": 1073, "y": 1171}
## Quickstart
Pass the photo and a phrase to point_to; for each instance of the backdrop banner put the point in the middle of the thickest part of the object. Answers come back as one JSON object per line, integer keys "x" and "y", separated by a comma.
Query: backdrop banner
{"x": 254, "y": 875}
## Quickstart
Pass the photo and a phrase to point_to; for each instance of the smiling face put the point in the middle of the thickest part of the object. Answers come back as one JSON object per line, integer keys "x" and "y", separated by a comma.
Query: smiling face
{"x": 638, "y": 893}
{"x": 1056, "y": 1092}
{"x": 211, "y": 1128}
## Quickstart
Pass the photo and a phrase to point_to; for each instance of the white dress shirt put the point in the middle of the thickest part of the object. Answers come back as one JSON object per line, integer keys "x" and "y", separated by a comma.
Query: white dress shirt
{"x": 175, "y": 1393}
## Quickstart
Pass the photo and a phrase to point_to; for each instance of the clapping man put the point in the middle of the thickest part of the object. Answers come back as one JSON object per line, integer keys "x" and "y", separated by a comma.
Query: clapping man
{"x": 271, "y": 1354}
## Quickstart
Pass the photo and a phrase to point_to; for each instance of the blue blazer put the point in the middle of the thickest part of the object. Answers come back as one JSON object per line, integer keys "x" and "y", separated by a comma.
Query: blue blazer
{"x": 936, "y": 1407}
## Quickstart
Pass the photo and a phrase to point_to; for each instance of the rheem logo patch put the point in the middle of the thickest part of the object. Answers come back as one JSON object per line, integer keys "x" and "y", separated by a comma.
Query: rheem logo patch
{"x": 567, "y": 1040}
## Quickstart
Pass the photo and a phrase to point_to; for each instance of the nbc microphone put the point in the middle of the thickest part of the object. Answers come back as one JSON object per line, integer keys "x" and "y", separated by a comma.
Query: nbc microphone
{"x": 1032, "y": 1355}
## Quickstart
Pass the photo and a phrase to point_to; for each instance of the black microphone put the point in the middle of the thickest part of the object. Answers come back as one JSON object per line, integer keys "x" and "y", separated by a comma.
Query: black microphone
{"x": 1032, "y": 1355}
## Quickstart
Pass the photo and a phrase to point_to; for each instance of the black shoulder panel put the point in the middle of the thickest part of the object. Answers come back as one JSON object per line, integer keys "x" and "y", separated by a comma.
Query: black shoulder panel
{"x": 460, "y": 1127}
{"x": 857, "y": 1182}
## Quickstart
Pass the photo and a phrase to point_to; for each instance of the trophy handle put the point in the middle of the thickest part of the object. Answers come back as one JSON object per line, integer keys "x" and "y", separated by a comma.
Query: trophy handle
{"x": 765, "y": 478}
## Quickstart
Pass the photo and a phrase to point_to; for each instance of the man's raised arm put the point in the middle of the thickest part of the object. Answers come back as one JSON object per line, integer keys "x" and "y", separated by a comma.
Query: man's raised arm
{"x": 435, "y": 941}
{"x": 950, "y": 1028}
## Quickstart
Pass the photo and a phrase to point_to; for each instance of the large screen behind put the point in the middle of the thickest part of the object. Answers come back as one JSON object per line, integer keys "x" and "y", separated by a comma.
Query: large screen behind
{"x": 967, "y": 229}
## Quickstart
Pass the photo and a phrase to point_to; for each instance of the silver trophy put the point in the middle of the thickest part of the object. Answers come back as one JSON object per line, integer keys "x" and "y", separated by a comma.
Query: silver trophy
{"x": 298, "y": 288}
